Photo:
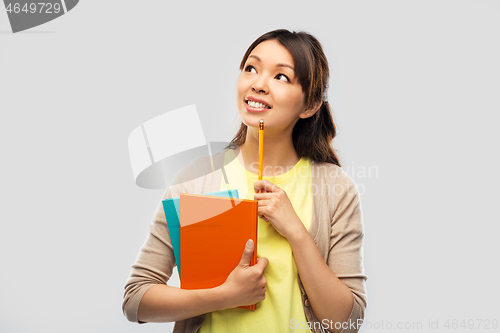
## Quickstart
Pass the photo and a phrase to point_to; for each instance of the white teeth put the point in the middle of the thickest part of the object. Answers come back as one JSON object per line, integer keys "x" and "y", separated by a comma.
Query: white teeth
{"x": 257, "y": 105}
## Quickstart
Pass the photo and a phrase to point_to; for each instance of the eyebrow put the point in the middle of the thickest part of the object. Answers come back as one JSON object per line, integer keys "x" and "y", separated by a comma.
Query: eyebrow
{"x": 278, "y": 65}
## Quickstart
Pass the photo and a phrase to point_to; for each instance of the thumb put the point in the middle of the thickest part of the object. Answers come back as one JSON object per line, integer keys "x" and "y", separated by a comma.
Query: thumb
{"x": 247, "y": 254}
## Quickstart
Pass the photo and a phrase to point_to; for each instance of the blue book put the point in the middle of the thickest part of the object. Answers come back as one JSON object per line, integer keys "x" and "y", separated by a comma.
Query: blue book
{"x": 172, "y": 208}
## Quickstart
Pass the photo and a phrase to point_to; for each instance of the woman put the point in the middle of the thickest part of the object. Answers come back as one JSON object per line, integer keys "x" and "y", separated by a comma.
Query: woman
{"x": 309, "y": 275}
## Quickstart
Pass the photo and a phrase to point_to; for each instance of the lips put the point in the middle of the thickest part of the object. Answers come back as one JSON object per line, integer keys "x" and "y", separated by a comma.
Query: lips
{"x": 257, "y": 103}
{"x": 255, "y": 109}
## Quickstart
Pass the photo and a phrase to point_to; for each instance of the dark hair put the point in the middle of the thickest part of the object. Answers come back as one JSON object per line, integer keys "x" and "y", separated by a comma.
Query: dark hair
{"x": 311, "y": 136}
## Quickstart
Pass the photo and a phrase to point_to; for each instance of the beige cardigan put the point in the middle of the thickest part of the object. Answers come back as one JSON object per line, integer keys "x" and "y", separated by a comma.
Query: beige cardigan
{"x": 336, "y": 228}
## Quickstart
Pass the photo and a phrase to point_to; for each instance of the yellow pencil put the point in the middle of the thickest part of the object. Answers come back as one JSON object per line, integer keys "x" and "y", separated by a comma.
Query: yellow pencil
{"x": 261, "y": 146}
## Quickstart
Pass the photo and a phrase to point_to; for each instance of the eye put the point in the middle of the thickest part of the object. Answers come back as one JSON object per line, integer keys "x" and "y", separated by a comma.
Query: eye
{"x": 250, "y": 69}
{"x": 282, "y": 77}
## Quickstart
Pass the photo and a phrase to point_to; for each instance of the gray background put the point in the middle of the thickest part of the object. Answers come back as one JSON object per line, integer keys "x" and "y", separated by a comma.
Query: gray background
{"x": 414, "y": 88}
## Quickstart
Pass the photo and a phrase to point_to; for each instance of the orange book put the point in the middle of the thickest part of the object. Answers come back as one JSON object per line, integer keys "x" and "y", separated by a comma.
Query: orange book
{"x": 214, "y": 232}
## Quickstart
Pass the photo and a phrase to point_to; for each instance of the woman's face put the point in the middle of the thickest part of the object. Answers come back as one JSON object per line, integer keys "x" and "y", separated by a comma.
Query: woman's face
{"x": 268, "y": 89}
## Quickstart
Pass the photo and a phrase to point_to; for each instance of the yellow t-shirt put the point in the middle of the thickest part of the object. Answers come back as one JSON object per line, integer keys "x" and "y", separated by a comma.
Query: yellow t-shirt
{"x": 282, "y": 308}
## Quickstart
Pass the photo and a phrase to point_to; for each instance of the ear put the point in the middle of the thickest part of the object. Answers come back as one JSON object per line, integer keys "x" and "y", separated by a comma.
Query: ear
{"x": 309, "y": 112}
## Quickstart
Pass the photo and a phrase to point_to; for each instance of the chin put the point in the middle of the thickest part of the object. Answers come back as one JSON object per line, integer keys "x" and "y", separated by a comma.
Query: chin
{"x": 251, "y": 121}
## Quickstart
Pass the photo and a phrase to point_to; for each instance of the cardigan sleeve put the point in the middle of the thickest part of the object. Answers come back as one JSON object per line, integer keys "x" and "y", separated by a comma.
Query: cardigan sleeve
{"x": 345, "y": 256}
{"x": 153, "y": 265}
{"x": 156, "y": 260}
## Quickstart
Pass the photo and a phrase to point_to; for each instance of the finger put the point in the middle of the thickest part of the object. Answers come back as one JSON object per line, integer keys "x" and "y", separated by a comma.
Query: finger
{"x": 263, "y": 281}
{"x": 261, "y": 213}
{"x": 262, "y": 195}
{"x": 247, "y": 254}
{"x": 266, "y": 185}
{"x": 262, "y": 262}
{"x": 264, "y": 202}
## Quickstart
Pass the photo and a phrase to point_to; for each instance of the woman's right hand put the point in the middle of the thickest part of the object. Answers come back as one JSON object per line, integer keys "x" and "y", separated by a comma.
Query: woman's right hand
{"x": 246, "y": 284}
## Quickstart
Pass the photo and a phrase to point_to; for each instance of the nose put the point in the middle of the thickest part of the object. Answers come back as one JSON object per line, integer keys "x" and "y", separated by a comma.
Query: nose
{"x": 258, "y": 89}
{"x": 260, "y": 85}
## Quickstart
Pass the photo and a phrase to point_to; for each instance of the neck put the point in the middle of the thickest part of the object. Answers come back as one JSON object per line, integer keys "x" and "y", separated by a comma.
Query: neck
{"x": 279, "y": 153}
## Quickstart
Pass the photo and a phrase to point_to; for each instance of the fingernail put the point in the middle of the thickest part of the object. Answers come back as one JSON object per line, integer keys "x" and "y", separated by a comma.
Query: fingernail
{"x": 249, "y": 244}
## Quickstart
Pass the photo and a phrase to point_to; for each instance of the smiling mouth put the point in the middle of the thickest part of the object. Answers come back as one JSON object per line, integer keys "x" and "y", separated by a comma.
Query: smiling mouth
{"x": 257, "y": 104}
